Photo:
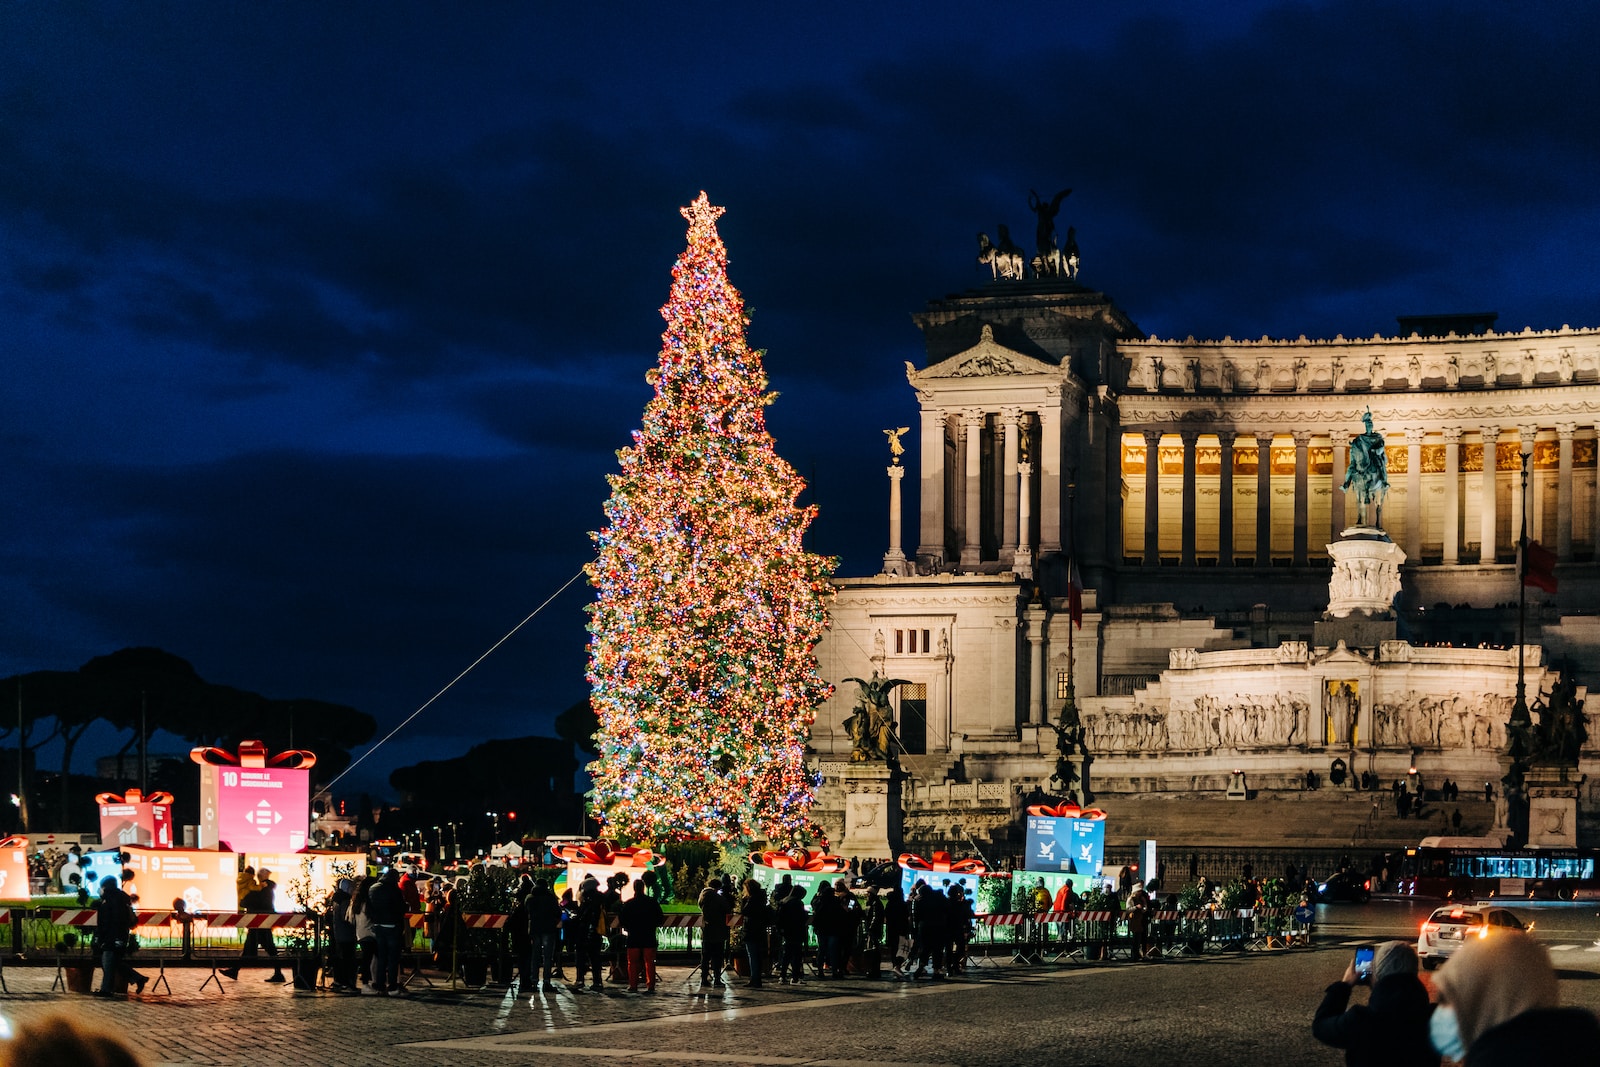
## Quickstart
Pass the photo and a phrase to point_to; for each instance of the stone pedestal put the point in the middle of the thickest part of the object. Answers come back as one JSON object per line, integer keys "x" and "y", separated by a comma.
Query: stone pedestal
{"x": 1366, "y": 573}
{"x": 1361, "y": 592}
{"x": 872, "y": 811}
{"x": 1552, "y": 807}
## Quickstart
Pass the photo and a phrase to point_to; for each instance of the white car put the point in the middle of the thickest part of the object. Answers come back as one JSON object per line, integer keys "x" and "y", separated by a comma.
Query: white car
{"x": 1448, "y": 928}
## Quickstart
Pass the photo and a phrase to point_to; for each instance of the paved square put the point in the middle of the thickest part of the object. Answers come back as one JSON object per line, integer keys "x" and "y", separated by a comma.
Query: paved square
{"x": 1238, "y": 1009}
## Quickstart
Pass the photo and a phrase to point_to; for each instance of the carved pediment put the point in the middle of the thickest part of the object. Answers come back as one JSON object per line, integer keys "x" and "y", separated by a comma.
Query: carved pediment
{"x": 987, "y": 358}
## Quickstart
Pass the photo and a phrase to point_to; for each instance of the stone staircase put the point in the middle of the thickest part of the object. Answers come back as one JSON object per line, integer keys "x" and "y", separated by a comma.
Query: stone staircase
{"x": 1318, "y": 819}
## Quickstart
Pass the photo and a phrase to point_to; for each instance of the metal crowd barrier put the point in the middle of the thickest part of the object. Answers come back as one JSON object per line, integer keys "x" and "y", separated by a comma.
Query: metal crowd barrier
{"x": 1027, "y": 938}
{"x": 1053, "y": 936}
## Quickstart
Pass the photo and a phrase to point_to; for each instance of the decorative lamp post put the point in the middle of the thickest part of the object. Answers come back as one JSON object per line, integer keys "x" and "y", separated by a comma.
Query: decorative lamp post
{"x": 1519, "y": 748}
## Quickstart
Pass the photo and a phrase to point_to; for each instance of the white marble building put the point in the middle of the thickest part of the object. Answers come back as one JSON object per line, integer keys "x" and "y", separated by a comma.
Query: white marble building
{"x": 1052, "y": 427}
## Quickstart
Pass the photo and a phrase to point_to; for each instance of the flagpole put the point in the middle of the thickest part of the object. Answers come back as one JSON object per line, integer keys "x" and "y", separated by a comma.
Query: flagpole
{"x": 1519, "y": 729}
{"x": 1519, "y": 708}
{"x": 1069, "y": 706}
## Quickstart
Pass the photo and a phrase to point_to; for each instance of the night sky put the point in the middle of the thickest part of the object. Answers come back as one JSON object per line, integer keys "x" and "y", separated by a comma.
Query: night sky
{"x": 321, "y": 323}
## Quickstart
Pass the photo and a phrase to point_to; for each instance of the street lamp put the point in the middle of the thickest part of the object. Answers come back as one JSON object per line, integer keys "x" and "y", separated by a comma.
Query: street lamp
{"x": 1519, "y": 729}
{"x": 495, "y": 837}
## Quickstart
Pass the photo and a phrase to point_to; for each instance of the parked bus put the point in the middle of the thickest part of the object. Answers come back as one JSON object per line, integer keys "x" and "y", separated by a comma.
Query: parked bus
{"x": 1466, "y": 869}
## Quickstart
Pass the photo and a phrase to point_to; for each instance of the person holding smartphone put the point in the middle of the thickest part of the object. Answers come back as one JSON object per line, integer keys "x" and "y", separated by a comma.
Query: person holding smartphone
{"x": 1392, "y": 1027}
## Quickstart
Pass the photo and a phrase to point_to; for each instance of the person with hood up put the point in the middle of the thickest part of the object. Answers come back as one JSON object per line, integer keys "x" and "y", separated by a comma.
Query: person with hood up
{"x": 1392, "y": 1027}
{"x": 1499, "y": 1004}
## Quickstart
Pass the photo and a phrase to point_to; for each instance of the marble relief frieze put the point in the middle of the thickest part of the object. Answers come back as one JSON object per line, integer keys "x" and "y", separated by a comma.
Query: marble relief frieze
{"x": 1278, "y": 721}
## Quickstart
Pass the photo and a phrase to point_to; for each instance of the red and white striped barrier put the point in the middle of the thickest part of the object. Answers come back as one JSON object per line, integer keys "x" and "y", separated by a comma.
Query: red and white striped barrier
{"x": 90, "y": 917}
{"x": 259, "y": 921}
{"x": 483, "y": 921}
{"x": 74, "y": 917}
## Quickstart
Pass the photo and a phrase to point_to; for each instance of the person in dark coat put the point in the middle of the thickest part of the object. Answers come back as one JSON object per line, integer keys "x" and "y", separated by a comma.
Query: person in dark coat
{"x": 544, "y": 934}
{"x": 756, "y": 916}
{"x": 341, "y": 937}
{"x": 874, "y": 909}
{"x": 794, "y": 919}
{"x": 930, "y": 910}
{"x": 959, "y": 922}
{"x": 775, "y": 938}
{"x": 641, "y": 917}
{"x": 616, "y": 941}
{"x": 259, "y": 900}
{"x": 715, "y": 907}
{"x": 827, "y": 919}
{"x": 387, "y": 907}
{"x": 585, "y": 930}
{"x": 113, "y": 933}
{"x": 517, "y": 928}
{"x": 1500, "y": 1006}
{"x": 897, "y": 931}
{"x": 1392, "y": 1027}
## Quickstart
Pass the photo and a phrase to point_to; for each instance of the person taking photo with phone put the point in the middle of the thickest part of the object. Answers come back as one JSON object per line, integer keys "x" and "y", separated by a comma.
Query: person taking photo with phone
{"x": 1392, "y": 1027}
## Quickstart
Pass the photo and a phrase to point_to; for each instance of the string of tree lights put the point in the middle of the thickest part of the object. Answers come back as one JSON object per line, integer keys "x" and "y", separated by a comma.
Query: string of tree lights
{"x": 708, "y": 608}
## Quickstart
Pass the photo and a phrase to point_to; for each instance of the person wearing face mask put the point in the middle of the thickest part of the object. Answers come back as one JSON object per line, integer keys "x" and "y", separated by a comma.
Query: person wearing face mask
{"x": 1392, "y": 1027}
{"x": 1499, "y": 1004}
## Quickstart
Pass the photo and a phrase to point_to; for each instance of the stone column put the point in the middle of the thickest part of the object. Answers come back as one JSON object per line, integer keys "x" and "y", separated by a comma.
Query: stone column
{"x": 1594, "y": 527}
{"x": 1263, "y": 499}
{"x": 1225, "y": 504}
{"x": 894, "y": 560}
{"x": 1189, "y": 438}
{"x": 1302, "y": 495}
{"x": 1008, "y": 490}
{"x": 1341, "y": 460}
{"x": 1413, "y": 545}
{"x": 1452, "y": 496}
{"x": 1035, "y": 623}
{"x": 1152, "y": 498}
{"x": 933, "y": 523}
{"x": 1023, "y": 556}
{"x": 1486, "y": 509}
{"x": 1049, "y": 464}
{"x": 972, "y": 524}
{"x": 1564, "y": 430}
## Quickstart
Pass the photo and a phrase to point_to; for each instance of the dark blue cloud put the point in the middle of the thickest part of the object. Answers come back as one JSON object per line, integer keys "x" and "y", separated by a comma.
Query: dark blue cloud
{"x": 322, "y": 328}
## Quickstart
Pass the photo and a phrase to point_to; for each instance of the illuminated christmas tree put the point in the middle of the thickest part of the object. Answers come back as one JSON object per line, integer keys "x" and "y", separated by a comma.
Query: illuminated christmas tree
{"x": 708, "y": 608}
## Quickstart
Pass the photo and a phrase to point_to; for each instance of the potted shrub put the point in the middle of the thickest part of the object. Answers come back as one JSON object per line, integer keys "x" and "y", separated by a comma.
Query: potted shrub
{"x": 304, "y": 943}
{"x": 1097, "y": 935}
{"x": 487, "y": 891}
{"x": 79, "y": 968}
{"x": 1192, "y": 932}
{"x": 1274, "y": 899}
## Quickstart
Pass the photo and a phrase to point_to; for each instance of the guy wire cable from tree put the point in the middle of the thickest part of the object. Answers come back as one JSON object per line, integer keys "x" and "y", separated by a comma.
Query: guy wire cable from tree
{"x": 486, "y": 654}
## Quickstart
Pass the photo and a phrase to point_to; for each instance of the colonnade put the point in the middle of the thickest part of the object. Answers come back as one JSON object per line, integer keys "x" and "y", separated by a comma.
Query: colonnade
{"x": 1008, "y": 505}
{"x": 1499, "y": 466}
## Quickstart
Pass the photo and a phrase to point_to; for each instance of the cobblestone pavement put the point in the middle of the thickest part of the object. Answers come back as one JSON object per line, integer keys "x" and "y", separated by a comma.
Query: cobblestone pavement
{"x": 1217, "y": 1010}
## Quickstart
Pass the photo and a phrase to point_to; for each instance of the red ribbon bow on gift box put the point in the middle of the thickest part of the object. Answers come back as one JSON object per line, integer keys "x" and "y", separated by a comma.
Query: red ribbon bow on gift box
{"x": 253, "y": 754}
{"x": 942, "y": 864}
{"x": 1066, "y": 811}
{"x": 802, "y": 859}
{"x": 601, "y": 854}
{"x": 133, "y": 797}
